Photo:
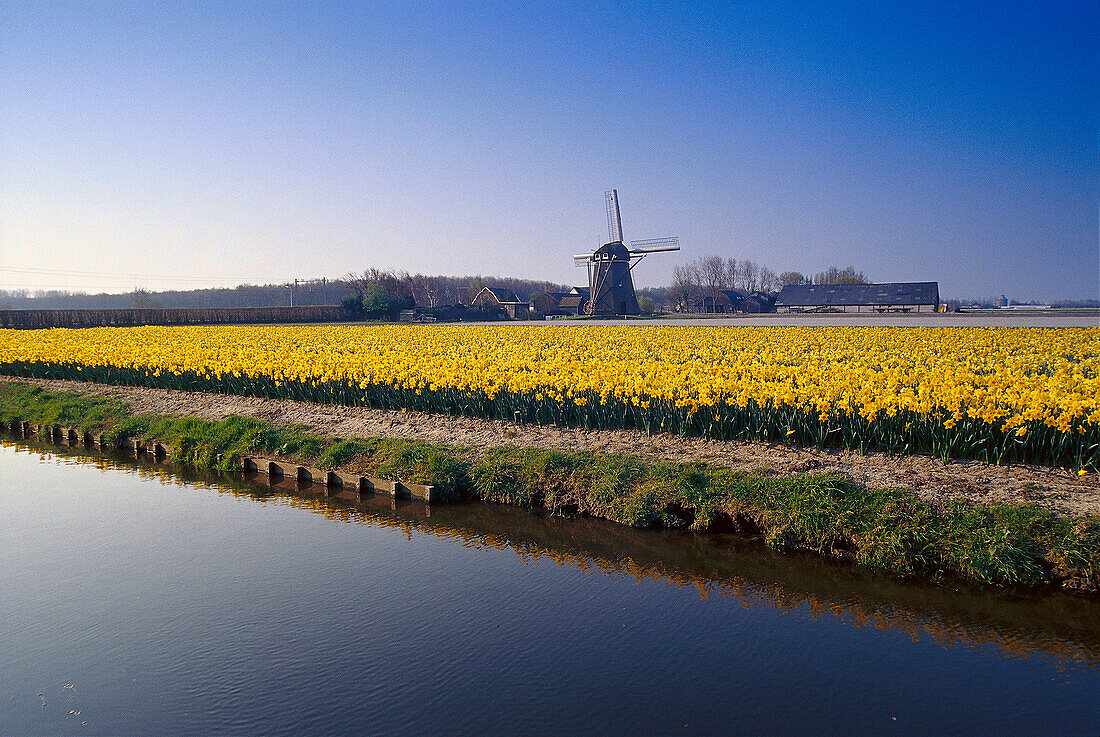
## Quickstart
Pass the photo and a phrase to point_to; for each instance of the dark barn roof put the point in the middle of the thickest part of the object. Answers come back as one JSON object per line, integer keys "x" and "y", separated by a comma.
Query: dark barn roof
{"x": 503, "y": 296}
{"x": 841, "y": 295}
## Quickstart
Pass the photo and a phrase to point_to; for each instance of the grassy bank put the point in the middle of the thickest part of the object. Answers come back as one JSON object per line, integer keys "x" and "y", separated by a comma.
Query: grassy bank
{"x": 893, "y": 529}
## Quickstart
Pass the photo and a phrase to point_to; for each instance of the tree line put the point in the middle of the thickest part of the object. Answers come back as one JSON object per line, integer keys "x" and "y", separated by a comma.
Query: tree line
{"x": 245, "y": 295}
{"x": 379, "y": 292}
{"x": 705, "y": 277}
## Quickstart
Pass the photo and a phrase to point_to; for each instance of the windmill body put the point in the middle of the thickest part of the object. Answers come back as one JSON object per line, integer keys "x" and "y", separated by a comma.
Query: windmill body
{"x": 611, "y": 287}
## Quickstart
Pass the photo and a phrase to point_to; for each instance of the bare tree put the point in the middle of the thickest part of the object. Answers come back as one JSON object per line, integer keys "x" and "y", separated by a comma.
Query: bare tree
{"x": 449, "y": 293}
{"x": 834, "y": 275}
{"x": 684, "y": 287}
{"x": 424, "y": 289}
{"x": 749, "y": 274}
{"x": 769, "y": 281}
{"x": 712, "y": 275}
{"x": 142, "y": 299}
{"x": 731, "y": 273}
{"x": 394, "y": 286}
{"x": 474, "y": 285}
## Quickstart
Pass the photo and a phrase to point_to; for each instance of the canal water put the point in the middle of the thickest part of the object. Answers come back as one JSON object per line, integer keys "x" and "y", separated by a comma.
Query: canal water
{"x": 139, "y": 600}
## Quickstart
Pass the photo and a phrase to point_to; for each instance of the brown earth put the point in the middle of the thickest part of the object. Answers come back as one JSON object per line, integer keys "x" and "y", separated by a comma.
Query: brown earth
{"x": 1060, "y": 490}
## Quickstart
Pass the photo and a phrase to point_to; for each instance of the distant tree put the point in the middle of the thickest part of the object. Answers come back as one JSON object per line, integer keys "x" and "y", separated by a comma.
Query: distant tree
{"x": 141, "y": 299}
{"x": 731, "y": 274}
{"x": 352, "y": 303}
{"x": 424, "y": 289}
{"x": 383, "y": 291}
{"x": 375, "y": 298}
{"x": 835, "y": 275}
{"x": 646, "y": 305}
{"x": 1076, "y": 303}
{"x": 769, "y": 281}
{"x": 711, "y": 272}
{"x": 658, "y": 295}
{"x": 788, "y": 278}
{"x": 685, "y": 285}
{"x": 474, "y": 285}
{"x": 748, "y": 276}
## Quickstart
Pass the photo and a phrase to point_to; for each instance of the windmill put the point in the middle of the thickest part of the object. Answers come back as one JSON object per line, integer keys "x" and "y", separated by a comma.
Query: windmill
{"x": 610, "y": 287}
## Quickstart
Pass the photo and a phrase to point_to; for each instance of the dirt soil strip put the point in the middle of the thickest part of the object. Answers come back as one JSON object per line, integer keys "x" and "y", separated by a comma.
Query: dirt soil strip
{"x": 1056, "y": 489}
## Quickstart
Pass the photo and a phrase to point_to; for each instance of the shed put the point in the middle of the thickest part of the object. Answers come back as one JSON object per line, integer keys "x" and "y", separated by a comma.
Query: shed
{"x": 573, "y": 303}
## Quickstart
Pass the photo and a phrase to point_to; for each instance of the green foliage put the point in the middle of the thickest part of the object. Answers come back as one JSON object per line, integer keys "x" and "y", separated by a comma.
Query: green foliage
{"x": 352, "y": 303}
{"x": 413, "y": 460}
{"x": 34, "y": 404}
{"x": 793, "y": 277}
{"x": 498, "y": 477}
{"x": 375, "y": 298}
{"x": 836, "y": 275}
{"x": 342, "y": 452}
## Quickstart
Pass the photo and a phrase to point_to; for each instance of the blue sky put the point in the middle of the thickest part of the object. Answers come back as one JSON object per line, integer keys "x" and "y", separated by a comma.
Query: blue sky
{"x": 177, "y": 145}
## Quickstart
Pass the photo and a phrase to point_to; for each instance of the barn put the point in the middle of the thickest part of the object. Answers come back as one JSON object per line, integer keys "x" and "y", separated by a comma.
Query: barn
{"x": 895, "y": 297}
{"x": 512, "y": 305}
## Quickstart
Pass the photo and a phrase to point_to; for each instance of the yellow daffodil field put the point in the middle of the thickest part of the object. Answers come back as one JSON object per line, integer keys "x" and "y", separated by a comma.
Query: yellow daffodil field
{"x": 995, "y": 394}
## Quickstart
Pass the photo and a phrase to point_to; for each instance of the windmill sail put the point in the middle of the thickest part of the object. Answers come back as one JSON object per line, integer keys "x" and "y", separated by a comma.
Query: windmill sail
{"x": 614, "y": 220}
{"x": 655, "y": 245}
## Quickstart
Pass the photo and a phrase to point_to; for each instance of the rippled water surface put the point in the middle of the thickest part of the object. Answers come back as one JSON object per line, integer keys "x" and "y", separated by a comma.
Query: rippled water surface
{"x": 138, "y": 601}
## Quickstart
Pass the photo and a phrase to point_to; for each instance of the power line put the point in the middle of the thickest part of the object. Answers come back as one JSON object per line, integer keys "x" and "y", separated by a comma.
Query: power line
{"x": 144, "y": 277}
{"x": 114, "y": 277}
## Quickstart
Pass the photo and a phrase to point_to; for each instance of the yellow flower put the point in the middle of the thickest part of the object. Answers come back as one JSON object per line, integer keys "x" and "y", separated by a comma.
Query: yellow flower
{"x": 1007, "y": 379}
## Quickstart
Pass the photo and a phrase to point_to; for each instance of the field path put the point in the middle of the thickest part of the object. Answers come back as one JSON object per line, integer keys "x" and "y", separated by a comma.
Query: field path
{"x": 1057, "y": 489}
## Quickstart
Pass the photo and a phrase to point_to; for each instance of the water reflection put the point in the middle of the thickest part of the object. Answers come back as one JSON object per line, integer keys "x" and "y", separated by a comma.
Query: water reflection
{"x": 1019, "y": 623}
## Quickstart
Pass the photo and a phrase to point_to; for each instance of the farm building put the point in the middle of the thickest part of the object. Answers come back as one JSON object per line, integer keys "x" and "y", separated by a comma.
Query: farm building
{"x": 758, "y": 302}
{"x": 573, "y": 303}
{"x": 725, "y": 300}
{"x": 734, "y": 300}
{"x": 512, "y": 305}
{"x": 546, "y": 303}
{"x": 896, "y": 297}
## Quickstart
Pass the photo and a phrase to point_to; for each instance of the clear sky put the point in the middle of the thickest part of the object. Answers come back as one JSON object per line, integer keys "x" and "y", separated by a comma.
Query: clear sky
{"x": 179, "y": 145}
